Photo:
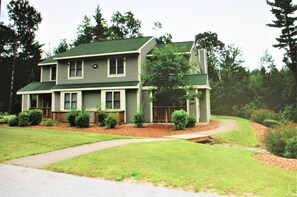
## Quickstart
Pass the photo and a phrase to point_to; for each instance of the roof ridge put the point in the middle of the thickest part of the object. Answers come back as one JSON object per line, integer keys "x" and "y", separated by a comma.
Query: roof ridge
{"x": 102, "y": 41}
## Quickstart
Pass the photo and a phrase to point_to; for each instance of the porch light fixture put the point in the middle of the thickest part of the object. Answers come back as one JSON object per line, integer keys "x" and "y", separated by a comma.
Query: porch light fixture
{"x": 95, "y": 66}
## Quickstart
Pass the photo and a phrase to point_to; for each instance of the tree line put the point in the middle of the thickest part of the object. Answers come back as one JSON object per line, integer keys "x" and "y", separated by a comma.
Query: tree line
{"x": 234, "y": 87}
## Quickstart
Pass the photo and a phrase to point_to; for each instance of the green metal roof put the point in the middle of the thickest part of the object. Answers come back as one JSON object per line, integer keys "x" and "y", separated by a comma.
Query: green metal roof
{"x": 48, "y": 61}
{"x": 112, "y": 46}
{"x": 96, "y": 85}
{"x": 181, "y": 46}
{"x": 38, "y": 86}
{"x": 198, "y": 79}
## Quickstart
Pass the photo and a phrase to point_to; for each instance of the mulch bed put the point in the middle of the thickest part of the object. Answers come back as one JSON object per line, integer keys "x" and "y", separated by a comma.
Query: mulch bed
{"x": 150, "y": 130}
{"x": 281, "y": 162}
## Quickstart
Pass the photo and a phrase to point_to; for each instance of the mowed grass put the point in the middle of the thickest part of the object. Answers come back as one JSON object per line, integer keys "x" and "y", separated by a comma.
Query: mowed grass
{"x": 244, "y": 136}
{"x": 19, "y": 142}
{"x": 185, "y": 165}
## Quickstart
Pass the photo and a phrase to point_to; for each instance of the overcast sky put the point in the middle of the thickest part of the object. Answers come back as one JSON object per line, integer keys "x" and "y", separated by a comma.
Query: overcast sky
{"x": 238, "y": 22}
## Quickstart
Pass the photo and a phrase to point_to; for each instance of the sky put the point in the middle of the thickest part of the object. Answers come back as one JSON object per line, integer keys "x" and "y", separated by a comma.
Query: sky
{"x": 238, "y": 22}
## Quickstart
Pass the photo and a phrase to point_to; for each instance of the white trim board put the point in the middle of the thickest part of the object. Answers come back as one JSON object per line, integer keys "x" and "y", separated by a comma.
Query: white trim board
{"x": 95, "y": 55}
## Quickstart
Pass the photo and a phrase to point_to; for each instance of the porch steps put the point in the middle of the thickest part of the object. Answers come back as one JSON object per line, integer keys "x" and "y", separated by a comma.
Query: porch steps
{"x": 191, "y": 137}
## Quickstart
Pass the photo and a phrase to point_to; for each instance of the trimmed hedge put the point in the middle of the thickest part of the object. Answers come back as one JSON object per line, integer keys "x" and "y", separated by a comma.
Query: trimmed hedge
{"x": 24, "y": 118}
{"x": 101, "y": 115}
{"x": 291, "y": 148}
{"x": 110, "y": 121}
{"x": 191, "y": 121}
{"x": 49, "y": 123}
{"x": 35, "y": 117}
{"x": 83, "y": 120}
{"x": 180, "y": 119}
{"x": 271, "y": 123}
{"x": 138, "y": 120}
{"x": 71, "y": 116}
{"x": 14, "y": 122}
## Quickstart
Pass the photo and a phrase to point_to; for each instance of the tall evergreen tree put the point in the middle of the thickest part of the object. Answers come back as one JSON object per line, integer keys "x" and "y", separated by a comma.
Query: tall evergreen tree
{"x": 84, "y": 32}
{"x": 62, "y": 47}
{"x": 100, "y": 30}
{"x": 286, "y": 19}
{"x": 25, "y": 51}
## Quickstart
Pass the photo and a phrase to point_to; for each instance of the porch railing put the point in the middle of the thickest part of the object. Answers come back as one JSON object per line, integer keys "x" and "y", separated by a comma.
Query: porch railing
{"x": 159, "y": 112}
{"x": 46, "y": 111}
{"x": 59, "y": 116}
{"x": 120, "y": 115}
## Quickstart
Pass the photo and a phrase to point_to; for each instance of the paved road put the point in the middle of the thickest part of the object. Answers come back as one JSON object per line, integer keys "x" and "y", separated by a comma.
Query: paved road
{"x": 20, "y": 181}
{"x": 40, "y": 160}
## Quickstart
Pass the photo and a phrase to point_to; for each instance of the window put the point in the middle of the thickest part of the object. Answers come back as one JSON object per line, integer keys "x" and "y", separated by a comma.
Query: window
{"x": 53, "y": 73}
{"x": 117, "y": 66}
{"x": 70, "y": 101}
{"x": 75, "y": 69}
{"x": 113, "y": 100}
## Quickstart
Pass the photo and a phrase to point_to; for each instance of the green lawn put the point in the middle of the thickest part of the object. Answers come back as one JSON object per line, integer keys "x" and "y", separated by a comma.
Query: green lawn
{"x": 185, "y": 165}
{"x": 19, "y": 142}
{"x": 244, "y": 136}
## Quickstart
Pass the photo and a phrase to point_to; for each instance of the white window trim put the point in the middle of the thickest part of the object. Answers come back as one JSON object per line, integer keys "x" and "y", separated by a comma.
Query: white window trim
{"x": 51, "y": 72}
{"x": 116, "y": 75}
{"x": 82, "y": 70}
{"x": 79, "y": 101}
{"x": 122, "y": 96}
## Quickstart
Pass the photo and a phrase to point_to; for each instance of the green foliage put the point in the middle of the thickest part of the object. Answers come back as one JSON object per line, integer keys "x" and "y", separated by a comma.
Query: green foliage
{"x": 246, "y": 110}
{"x": 101, "y": 116}
{"x": 70, "y": 116}
{"x": 35, "y": 117}
{"x": 62, "y": 47}
{"x": 291, "y": 148}
{"x": 259, "y": 115}
{"x": 49, "y": 123}
{"x": 82, "y": 120}
{"x": 288, "y": 113}
{"x": 167, "y": 71}
{"x": 110, "y": 121}
{"x": 124, "y": 26}
{"x": 191, "y": 121}
{"x": 14, "y": 122}
{"x": 5, "y": 118}
{"x": 24, "y": 118}
{"x": 84, "y": 32}
{"x": 271, "y": 123}
{"x": 277, "y": 138}
{"x": 138, "y": 119}
{"x": 180, "y": 119}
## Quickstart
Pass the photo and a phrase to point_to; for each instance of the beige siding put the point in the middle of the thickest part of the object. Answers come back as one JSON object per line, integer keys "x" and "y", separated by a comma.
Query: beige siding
{"x": 45, "y": 73}
{"x": 192, "y": 104}
{"x": 205, "y": 106}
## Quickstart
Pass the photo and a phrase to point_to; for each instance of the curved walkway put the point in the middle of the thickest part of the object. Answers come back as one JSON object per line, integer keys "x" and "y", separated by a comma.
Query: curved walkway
{"x": 40, "y": 160}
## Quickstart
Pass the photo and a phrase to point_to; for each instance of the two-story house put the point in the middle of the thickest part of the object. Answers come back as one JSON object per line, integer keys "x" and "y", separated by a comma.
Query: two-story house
{"x": 107, "y": 75}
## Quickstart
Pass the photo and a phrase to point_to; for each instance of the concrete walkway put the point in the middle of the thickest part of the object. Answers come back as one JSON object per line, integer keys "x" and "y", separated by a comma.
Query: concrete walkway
{"x": 16, "y": 181}
{"x": 40, "y": 160}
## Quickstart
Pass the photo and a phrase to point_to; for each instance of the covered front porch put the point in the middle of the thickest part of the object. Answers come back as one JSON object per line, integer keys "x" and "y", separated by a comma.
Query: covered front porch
{"x": 41, "y": 102}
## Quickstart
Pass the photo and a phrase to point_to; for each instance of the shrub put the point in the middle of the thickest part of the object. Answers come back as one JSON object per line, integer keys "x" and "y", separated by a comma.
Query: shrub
{"x": 82, "y": 120}
{"x": 35, "y": 116}
{"x": 288, "y": 113}
{"x": 110, "y": 121}
{"x": 246, "y": 110}
{"x": 180, "y": 119}
{"x": 49, "y": 123}
{"x": 138, "y": 120}
{"x": 291, "y": 148}
{"x": 4, "y": 119}
{"x": 14, "y": 122}
{"x": 24, "y": 119}
{"x": 70, "y": 116}
{"x": 101, "y": 115}
{"x": 271, "y": 123}
{"x": 259, "y": 115}
{"x": 191, "y": 121}
{"x": 276, "y": 139}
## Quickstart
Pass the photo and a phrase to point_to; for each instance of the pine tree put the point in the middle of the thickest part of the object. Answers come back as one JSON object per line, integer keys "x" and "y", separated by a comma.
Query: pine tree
{"x": 285, "y": 14}
{"x": 100, "y": 30}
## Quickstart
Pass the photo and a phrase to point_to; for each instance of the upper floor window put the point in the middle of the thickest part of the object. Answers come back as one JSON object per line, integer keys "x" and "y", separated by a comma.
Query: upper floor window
{"x": 53, "y": 73}
{"x": 70, "y": 101}
{"x": 116, "y": 66}
{"x": 75, "y": 69}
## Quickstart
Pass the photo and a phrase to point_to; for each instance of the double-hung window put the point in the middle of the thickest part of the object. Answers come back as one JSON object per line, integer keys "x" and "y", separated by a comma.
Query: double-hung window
{"x": 116, "y": 66}
{"x": 113, "y": 100}
{"x": 75, "y": 69}
{"x": 70, "y": 101}
{"x": 53, "y": 73}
